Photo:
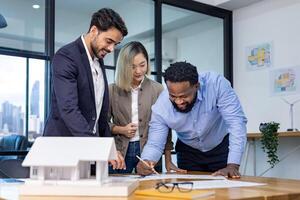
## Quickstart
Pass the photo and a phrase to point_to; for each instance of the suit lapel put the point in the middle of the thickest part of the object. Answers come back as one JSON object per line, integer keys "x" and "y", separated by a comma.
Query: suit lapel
{"x": 105, "y": 96}
{"x": 86, "y": 64}
{"x": 103, "y": 125}
{"x": 89, "y": 74}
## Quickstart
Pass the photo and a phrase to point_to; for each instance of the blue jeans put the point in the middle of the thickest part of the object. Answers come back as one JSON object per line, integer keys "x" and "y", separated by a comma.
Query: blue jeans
{"x": 130, "y": 159}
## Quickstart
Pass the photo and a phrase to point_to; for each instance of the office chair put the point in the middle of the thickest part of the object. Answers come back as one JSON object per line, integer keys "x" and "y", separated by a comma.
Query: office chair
{"x": 13, "y": 143}
{"x": 12, "y": 168}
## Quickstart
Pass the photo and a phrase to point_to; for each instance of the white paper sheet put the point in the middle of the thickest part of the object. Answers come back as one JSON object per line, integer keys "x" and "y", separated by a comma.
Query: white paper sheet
{"x": 212, "y": 184}
{"x": 167, "y": 176}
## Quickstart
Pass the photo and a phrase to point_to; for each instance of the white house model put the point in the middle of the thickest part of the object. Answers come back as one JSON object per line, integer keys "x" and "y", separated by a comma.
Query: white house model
{"x": 59, "y": 164}
{"x": 69, "y": 158}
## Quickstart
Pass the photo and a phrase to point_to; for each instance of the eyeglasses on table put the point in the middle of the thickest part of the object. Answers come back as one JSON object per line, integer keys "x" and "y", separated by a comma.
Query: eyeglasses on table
{"x": 166, "y": 187}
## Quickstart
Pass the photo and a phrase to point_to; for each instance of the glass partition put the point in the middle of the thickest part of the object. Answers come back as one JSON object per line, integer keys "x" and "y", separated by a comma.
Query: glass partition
{"x": 193, "y": 37}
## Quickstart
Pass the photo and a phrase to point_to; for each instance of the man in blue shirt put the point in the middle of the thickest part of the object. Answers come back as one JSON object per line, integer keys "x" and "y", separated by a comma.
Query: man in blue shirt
{"x": 208, "y": 118}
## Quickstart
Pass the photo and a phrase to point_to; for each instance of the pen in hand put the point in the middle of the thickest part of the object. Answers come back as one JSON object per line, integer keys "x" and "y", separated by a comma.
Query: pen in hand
{"x": 145, "y": 163}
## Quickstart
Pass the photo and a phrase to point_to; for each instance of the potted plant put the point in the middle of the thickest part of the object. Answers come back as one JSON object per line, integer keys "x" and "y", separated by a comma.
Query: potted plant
{"x": 269, "y": 141}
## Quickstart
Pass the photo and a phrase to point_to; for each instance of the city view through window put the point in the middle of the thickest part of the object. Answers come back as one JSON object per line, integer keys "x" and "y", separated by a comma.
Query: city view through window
{"x": 13, "y": 93}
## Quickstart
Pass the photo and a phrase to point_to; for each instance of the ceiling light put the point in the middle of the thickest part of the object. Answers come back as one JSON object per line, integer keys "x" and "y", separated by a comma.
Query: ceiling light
{"x": 36, "y": 6}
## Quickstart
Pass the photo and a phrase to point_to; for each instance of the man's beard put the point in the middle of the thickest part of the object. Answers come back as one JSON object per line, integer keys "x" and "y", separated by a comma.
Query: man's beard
{"x": 95, "y": 52}
{"x": 188, "y": 107}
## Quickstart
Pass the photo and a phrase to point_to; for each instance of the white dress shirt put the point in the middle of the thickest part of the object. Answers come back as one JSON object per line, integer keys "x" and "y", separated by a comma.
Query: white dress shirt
{"x": 135, "y": 110}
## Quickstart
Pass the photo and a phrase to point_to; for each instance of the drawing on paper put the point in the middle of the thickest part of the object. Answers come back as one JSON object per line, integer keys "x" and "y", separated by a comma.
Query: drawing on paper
{"x": 285, "y": 81}
{"x": 259, "y": 56}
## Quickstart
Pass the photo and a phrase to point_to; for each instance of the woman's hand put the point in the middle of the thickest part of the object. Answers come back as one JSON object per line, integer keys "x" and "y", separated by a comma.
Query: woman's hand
{"x": 128, "y": 131}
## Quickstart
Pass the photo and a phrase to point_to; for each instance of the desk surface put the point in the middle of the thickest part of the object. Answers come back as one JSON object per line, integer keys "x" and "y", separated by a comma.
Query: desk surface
{"x": 283, "y": 189}
{"x": 280, "y": 134}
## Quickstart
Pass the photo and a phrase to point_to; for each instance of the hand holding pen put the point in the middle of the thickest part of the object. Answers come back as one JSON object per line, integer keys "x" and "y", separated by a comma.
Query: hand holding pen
{"x": 145, "y": 167}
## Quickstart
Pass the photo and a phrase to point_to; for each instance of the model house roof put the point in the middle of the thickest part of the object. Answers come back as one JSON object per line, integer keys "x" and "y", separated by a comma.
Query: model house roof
{"x": 68, "y": 151}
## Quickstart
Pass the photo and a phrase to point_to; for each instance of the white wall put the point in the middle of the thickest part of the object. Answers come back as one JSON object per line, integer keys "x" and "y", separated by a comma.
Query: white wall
{"x": 276, "y": 21}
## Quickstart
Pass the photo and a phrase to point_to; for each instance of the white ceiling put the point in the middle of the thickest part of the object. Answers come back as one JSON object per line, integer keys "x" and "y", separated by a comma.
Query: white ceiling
{"x": 86, "y": 6}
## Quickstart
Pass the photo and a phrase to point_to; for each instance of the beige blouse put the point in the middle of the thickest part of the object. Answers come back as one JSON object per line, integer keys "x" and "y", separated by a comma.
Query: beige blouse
{"x": 120, "y": 112}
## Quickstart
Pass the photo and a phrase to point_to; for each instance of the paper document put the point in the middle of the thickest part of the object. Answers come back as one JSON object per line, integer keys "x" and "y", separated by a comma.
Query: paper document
{"x": 212, "y": 184}
{"x": 167, "y": 176}
{"x": 181, "y": 176}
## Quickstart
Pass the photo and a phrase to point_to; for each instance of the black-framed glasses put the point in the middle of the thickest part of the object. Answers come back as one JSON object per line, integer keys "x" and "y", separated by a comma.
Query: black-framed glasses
{"x": 169, "y": 187}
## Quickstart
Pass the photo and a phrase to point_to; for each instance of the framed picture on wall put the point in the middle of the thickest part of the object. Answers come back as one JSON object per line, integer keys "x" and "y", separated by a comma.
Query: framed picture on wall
{"x": 259, "y": 56}
{"x": 285, "y": 81}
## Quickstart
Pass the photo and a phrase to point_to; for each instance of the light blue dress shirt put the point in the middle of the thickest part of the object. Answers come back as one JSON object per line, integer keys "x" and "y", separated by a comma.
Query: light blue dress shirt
{"x": 216, "y": 112}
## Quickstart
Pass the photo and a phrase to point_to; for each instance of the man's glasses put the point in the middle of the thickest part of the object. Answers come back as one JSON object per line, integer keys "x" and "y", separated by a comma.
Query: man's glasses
{"x": 169, "y": 187}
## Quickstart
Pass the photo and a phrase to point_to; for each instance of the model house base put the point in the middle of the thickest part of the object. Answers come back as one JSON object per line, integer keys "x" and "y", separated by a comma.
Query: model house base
{"x": 78, "y": 188}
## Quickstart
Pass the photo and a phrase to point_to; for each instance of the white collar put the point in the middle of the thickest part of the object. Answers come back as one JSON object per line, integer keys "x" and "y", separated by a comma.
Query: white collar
{"x": 87, "y": 50}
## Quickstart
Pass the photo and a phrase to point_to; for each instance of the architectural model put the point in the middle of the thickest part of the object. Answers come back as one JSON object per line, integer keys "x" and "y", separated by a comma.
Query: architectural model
{"x": 62, "y": 166}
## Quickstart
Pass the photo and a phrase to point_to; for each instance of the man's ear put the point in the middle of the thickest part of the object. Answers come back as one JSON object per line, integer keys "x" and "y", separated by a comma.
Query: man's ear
{"x": 197, "y": 85}
{"x": 94, "y": 30}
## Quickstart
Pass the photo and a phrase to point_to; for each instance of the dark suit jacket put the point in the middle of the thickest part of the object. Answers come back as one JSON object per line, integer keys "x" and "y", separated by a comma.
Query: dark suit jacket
{"x": 73, "y": 108}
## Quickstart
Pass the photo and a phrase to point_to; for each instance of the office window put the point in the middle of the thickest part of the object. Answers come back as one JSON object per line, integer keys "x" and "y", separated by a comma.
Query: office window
{"x": 15, "y": 96}
{"x": 36, "y": 98}
{"x": 25, "y": 25}
{"x": 12, "y": 95}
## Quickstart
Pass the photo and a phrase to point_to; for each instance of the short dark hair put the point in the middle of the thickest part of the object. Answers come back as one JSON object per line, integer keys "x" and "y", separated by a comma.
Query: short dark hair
{"x": 181, "y": 72}
{"x": 107, "y": 18}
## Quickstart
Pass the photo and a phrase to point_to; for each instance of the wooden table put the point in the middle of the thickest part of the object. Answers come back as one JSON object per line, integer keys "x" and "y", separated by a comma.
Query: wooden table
{"x": 276, "y": 189}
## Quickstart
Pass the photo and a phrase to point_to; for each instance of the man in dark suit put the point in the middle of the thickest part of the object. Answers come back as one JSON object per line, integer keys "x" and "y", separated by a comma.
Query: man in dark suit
{"x": 79, "y": 99}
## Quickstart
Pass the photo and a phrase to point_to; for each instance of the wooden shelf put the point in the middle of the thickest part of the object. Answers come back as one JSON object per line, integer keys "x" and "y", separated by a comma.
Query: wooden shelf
{"x": 281, "y": 134}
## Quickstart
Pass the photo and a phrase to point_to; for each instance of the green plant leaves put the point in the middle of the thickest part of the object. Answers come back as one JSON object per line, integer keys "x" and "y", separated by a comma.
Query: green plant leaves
{"x": 269, "y": 141}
